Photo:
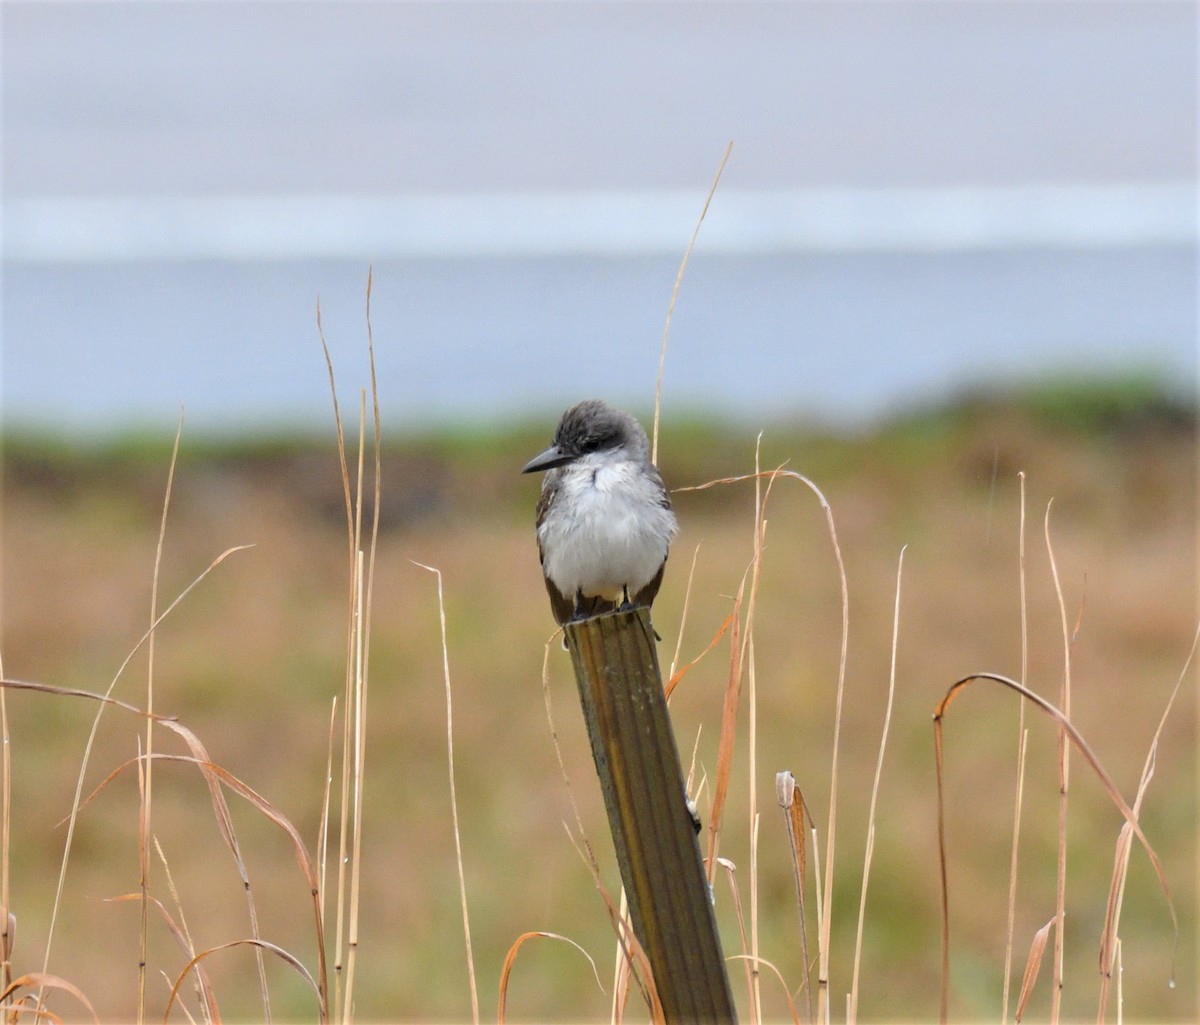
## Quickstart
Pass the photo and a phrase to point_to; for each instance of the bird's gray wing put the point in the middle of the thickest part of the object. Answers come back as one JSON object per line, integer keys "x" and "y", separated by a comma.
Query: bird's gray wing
{"x": 562, "y": 605}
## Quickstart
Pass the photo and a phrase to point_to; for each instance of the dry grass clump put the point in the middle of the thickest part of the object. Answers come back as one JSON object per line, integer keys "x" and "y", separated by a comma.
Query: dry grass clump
{"x": 336, "y": 883}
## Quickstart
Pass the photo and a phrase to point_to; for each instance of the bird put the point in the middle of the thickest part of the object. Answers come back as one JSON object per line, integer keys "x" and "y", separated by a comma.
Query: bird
{"x": 604, "y": 517}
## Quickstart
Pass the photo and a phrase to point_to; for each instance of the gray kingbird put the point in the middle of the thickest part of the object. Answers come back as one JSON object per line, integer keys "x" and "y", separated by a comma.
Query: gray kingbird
{"x": 604, "y": 519}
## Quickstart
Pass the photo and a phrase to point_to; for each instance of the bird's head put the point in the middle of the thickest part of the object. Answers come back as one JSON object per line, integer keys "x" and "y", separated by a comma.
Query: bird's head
{"x": 591, "y": 426}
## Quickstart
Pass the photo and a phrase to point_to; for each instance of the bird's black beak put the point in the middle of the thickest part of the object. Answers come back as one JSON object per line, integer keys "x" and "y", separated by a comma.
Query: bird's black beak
{"x": 552, "y": 457}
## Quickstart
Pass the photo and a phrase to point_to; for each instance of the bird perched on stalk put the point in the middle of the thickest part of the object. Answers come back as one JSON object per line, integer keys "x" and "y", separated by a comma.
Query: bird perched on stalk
{"x": 604, "y": 519}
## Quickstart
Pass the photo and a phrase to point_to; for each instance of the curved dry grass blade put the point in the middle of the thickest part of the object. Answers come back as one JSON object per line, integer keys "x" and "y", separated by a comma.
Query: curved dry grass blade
{"x": 1033, "y": 965}
{"x": 228, "y": 834}
{"x": 751, "y": 990}
{"x": 87, "y": 749}
{"x": 662, "y": 355}
{"x": 214, "y": 774}
{"x": 1112, "y": 916}
{"x": 760, "y": 961}
{"x": 259, "y": 945}
{"x": 1088, "y": 755}
{"x": 74, "y": 692}
{"x": 207, "y": 994}
{"x": 44, "y": 980}
{"x": 511, "y": 957}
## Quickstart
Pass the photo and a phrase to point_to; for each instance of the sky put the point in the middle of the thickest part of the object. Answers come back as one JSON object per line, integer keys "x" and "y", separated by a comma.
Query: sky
{"x": 141, "y": 98}
{"x": 174, "y": 136}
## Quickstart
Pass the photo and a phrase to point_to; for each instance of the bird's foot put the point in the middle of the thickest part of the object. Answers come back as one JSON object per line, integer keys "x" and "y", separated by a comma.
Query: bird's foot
{"x": 580, "y": 613}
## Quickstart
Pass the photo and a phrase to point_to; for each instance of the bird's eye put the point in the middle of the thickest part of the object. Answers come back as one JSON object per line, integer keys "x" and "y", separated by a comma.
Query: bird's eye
{"x": 597, "y": 440}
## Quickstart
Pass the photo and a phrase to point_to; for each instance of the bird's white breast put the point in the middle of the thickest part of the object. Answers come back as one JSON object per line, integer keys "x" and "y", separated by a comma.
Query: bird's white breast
{"x": 608, "y": 530}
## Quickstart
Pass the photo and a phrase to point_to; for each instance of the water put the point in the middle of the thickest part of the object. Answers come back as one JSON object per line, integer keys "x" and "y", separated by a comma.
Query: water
{"x": 95, "y": 347}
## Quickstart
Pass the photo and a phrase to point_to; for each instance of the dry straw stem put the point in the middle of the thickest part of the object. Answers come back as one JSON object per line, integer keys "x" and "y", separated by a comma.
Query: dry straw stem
{"x": 887, "y": 722}
{"x": 146, "y": 789}
{"x": 358, "y": 635}
{"x": 7, "y": 919}
{"x": 1088, "y": 755}
{"x": 683, "y": 616}
{"x": 458, "y": 855}
{"x": 746, "y": 957}
{"x": 796, "y": 818}
{"x": 1064, "y": 765}
{"x": 662, "y": 355}
{"x": 825, "y": 905}
{"x": 1022, "y": 741}
{"x": 1110, "y": 941}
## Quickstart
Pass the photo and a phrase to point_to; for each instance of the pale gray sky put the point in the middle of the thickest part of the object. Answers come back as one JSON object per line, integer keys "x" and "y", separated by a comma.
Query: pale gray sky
{"x": 346, "y": 97}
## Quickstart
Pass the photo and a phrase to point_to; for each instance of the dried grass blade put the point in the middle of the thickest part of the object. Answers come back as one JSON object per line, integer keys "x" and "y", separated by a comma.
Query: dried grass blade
{"x": 887, "y": 723}
{"x": 1032, "y": 966}
{"x": 662, "y": 355}
{"x": 208, "y": 996}
{"x": 683, "y": 616}
{"x": 1022, "y": 740}
{"x": 44, "y": 980}
{"x": 215, "y": 774}
{"x": 791, "y": 800}
{"x": 825, "y": 907}
{"x": 1109, "y": 941}
{"x": 761, "y": 961}
{"x": 220, "y": 807}
{"x": 260, "y": 945}
{"x": 87, "y": 748}
{"x": 731, "y": 873}
{"x": 1089, "y": 756}
{"x": 634, "y": 954}
{"x": 1064, "y": 766}
{"x": 677, "y": 677}
{"x": 733, "y": 685}
{"x": 146, "y": 789}
{"x": 462, "y": 879}
{"x": 511, "y": 957}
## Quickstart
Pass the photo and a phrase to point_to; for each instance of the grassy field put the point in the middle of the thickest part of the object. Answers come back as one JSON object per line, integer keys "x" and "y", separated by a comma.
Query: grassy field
{"x": 253, "y": 658}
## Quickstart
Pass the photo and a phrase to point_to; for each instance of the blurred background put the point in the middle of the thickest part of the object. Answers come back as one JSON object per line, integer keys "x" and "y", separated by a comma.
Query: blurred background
{"x": 919, "y": 196}
{"x": 954, "y": 244}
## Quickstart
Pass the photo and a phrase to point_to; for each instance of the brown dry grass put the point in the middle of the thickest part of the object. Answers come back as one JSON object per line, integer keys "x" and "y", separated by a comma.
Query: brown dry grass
{"x": 253, "y": 658}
